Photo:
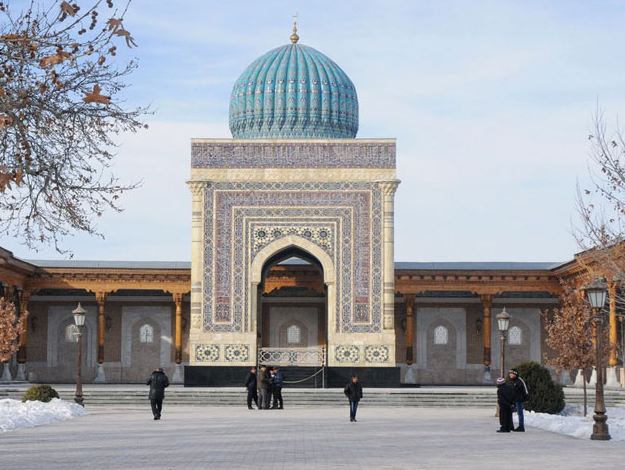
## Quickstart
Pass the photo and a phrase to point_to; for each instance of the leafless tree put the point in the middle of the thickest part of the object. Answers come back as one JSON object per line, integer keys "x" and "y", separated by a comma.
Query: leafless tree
{"x": 60, "y": 109}
{"x": 601, "y": 206}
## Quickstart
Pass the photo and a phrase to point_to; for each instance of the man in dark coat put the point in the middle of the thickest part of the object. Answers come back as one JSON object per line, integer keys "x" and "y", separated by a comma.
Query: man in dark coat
{"x": 264, "y": 388}
{"x": 520, "y": 395}
{"x": 505, "y": 400}
{"x": 277, "y": 382}
{"x": 250, "y": 385}
{"x": 158, "y": 382}
{"x": 353, "y": 392}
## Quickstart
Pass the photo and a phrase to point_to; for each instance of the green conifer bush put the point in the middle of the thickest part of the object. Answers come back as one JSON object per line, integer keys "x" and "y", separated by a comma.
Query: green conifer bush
{"x": 43, "y": 393}
{"x": 545, "y": 396}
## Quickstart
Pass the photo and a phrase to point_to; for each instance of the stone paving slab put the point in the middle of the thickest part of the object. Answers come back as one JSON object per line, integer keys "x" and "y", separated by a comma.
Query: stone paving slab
{"x": 232, "y": 438}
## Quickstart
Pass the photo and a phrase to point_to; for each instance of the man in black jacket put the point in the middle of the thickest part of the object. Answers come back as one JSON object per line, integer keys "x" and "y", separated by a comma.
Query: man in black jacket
{"x": 250, "y": 385}
{"x": 158, "y": 382}
{"x": 505, "y": 400}
{"x": 353, "y": 391}
{"x": 277, "y": 382}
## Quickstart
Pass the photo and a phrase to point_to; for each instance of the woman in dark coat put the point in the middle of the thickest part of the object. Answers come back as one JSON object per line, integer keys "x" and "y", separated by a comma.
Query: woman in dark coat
{"x": 158, "y": 382}
{"x": 353, "y": 392}
{"x": 505, "y": 400}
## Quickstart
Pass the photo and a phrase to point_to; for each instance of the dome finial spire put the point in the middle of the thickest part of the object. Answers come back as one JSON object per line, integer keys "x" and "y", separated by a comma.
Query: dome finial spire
{"x": 294, "y": 36}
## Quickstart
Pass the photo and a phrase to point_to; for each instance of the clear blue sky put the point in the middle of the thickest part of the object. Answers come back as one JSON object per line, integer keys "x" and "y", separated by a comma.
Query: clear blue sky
{"x": 490, "y": 101}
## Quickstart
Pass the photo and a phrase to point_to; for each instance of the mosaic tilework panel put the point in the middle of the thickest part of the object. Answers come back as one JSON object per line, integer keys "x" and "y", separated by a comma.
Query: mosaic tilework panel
{"x": 360, "y": 292}
{"x": 276, "y": 205}
{"x": 376, "y": 353}
{"x": 286, "y": 219}
{"x": 355, "y": 209}
{"x": 236, "y": 352}
{"x": 292, "y": 155}
{"x": 319, "y": 234}
{"x": 347, "y": 353}
{"x": 206, "y": 352}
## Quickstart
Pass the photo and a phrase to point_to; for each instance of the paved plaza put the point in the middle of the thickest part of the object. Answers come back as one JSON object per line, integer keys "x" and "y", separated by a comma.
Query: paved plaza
{"x": 306, "y": 438}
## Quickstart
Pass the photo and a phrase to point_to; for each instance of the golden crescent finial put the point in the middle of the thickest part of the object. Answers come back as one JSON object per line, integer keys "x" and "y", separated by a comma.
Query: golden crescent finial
{"x": 294, "y": 36}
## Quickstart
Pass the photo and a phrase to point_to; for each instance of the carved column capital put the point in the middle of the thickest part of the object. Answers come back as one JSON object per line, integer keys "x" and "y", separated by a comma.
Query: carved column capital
{"x": 388, "y": 187}
{"x": 100, "y": 297}
{"x": 196, "y": 187}
{"x": 409, "y": 300}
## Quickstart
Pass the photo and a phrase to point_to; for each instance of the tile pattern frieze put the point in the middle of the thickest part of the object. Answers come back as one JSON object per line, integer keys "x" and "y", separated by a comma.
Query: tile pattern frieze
{"x": 320, "y": 234}
{"x": 293, "y": 155}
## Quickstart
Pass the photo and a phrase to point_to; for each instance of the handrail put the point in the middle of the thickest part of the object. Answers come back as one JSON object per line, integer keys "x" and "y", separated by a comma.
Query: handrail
{"x": 312, "y": 356}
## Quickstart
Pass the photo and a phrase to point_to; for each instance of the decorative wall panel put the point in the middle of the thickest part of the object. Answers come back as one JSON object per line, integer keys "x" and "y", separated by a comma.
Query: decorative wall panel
{"x": 343, "y": 219}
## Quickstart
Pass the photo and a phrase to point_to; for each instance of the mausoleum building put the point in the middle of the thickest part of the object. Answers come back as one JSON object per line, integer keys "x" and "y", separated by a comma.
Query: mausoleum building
{"x": 292, "y": 264}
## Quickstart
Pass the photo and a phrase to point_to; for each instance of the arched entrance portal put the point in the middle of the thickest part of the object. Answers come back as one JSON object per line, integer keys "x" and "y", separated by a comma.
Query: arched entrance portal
{"x": 292, "y": 310}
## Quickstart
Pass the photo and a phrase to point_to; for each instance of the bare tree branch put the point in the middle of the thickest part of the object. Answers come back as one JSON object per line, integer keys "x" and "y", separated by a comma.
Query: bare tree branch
{"x": 60, "y": 108}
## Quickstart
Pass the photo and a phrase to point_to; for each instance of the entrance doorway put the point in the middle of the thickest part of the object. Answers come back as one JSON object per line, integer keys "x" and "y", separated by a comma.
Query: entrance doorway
{"x": 292, "y": 311}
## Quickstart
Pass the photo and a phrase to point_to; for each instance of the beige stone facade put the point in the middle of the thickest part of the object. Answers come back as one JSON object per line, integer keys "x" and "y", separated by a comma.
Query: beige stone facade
{"x": 340, "y": 213}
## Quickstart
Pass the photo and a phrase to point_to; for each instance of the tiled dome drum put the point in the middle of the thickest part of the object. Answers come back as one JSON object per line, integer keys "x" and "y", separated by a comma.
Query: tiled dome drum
{"x": 292, "y": 92}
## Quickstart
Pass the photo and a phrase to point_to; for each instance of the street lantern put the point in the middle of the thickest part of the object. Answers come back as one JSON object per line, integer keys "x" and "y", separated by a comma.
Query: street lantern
{"x": 79, "y": 316}
{"x": 597, "y": 292}
{"x": 503, "y": 322}
{"x": 79, "y": 320}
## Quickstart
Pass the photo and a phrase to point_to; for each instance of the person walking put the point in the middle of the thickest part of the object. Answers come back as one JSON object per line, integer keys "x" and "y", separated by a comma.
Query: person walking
{"x": 353, "y": 392}
{"x": 264, "y": 386}
{"x": 158, "y": 382}
{"x": 250, "y": 385}
{"x": 505, "y": 400}
{"x": 277, "y": 382}
{"x": 520, "y": 395}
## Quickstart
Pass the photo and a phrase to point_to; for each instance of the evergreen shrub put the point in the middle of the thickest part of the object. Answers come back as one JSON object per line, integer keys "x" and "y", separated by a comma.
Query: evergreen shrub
{"x": 545, "y": 395}
{"x": 43, "y": 393}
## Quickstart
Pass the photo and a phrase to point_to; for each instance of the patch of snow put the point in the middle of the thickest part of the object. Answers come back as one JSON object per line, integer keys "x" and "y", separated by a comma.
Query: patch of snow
{"x": 571, "y": 422}
{"x": 14, "y": 414}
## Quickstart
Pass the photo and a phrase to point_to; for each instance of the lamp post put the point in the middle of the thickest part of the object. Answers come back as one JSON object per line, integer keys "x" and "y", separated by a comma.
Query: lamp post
{"x": 79, "y": 320}
{"x": 596, "y": 293}
{"x": 503, "y": 322}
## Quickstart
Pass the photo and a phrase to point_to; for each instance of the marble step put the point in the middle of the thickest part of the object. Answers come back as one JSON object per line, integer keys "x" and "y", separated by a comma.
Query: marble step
{"x": 301, "y": 397}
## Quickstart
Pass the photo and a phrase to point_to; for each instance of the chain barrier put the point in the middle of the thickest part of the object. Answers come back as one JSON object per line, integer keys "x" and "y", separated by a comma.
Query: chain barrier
{"x": 303, "y": 380}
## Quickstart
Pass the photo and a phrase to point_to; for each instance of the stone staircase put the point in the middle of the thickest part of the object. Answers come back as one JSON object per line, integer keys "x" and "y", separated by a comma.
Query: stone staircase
{"x": 430, "y": 397}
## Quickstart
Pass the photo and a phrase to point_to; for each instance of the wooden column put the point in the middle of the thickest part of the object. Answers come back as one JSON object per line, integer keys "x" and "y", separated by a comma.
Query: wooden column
{"x": 178, "y": 336}
{"x": 487, "y": 300}
{"x": 22, "y": 353}
{"x": 409, "y": 301}
{"x": 100, "y": 298}
{"x": 613, "y": 360}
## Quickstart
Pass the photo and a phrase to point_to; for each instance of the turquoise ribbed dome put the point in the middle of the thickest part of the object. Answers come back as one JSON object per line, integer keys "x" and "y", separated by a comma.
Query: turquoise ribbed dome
{"x": 293, "y": 92}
